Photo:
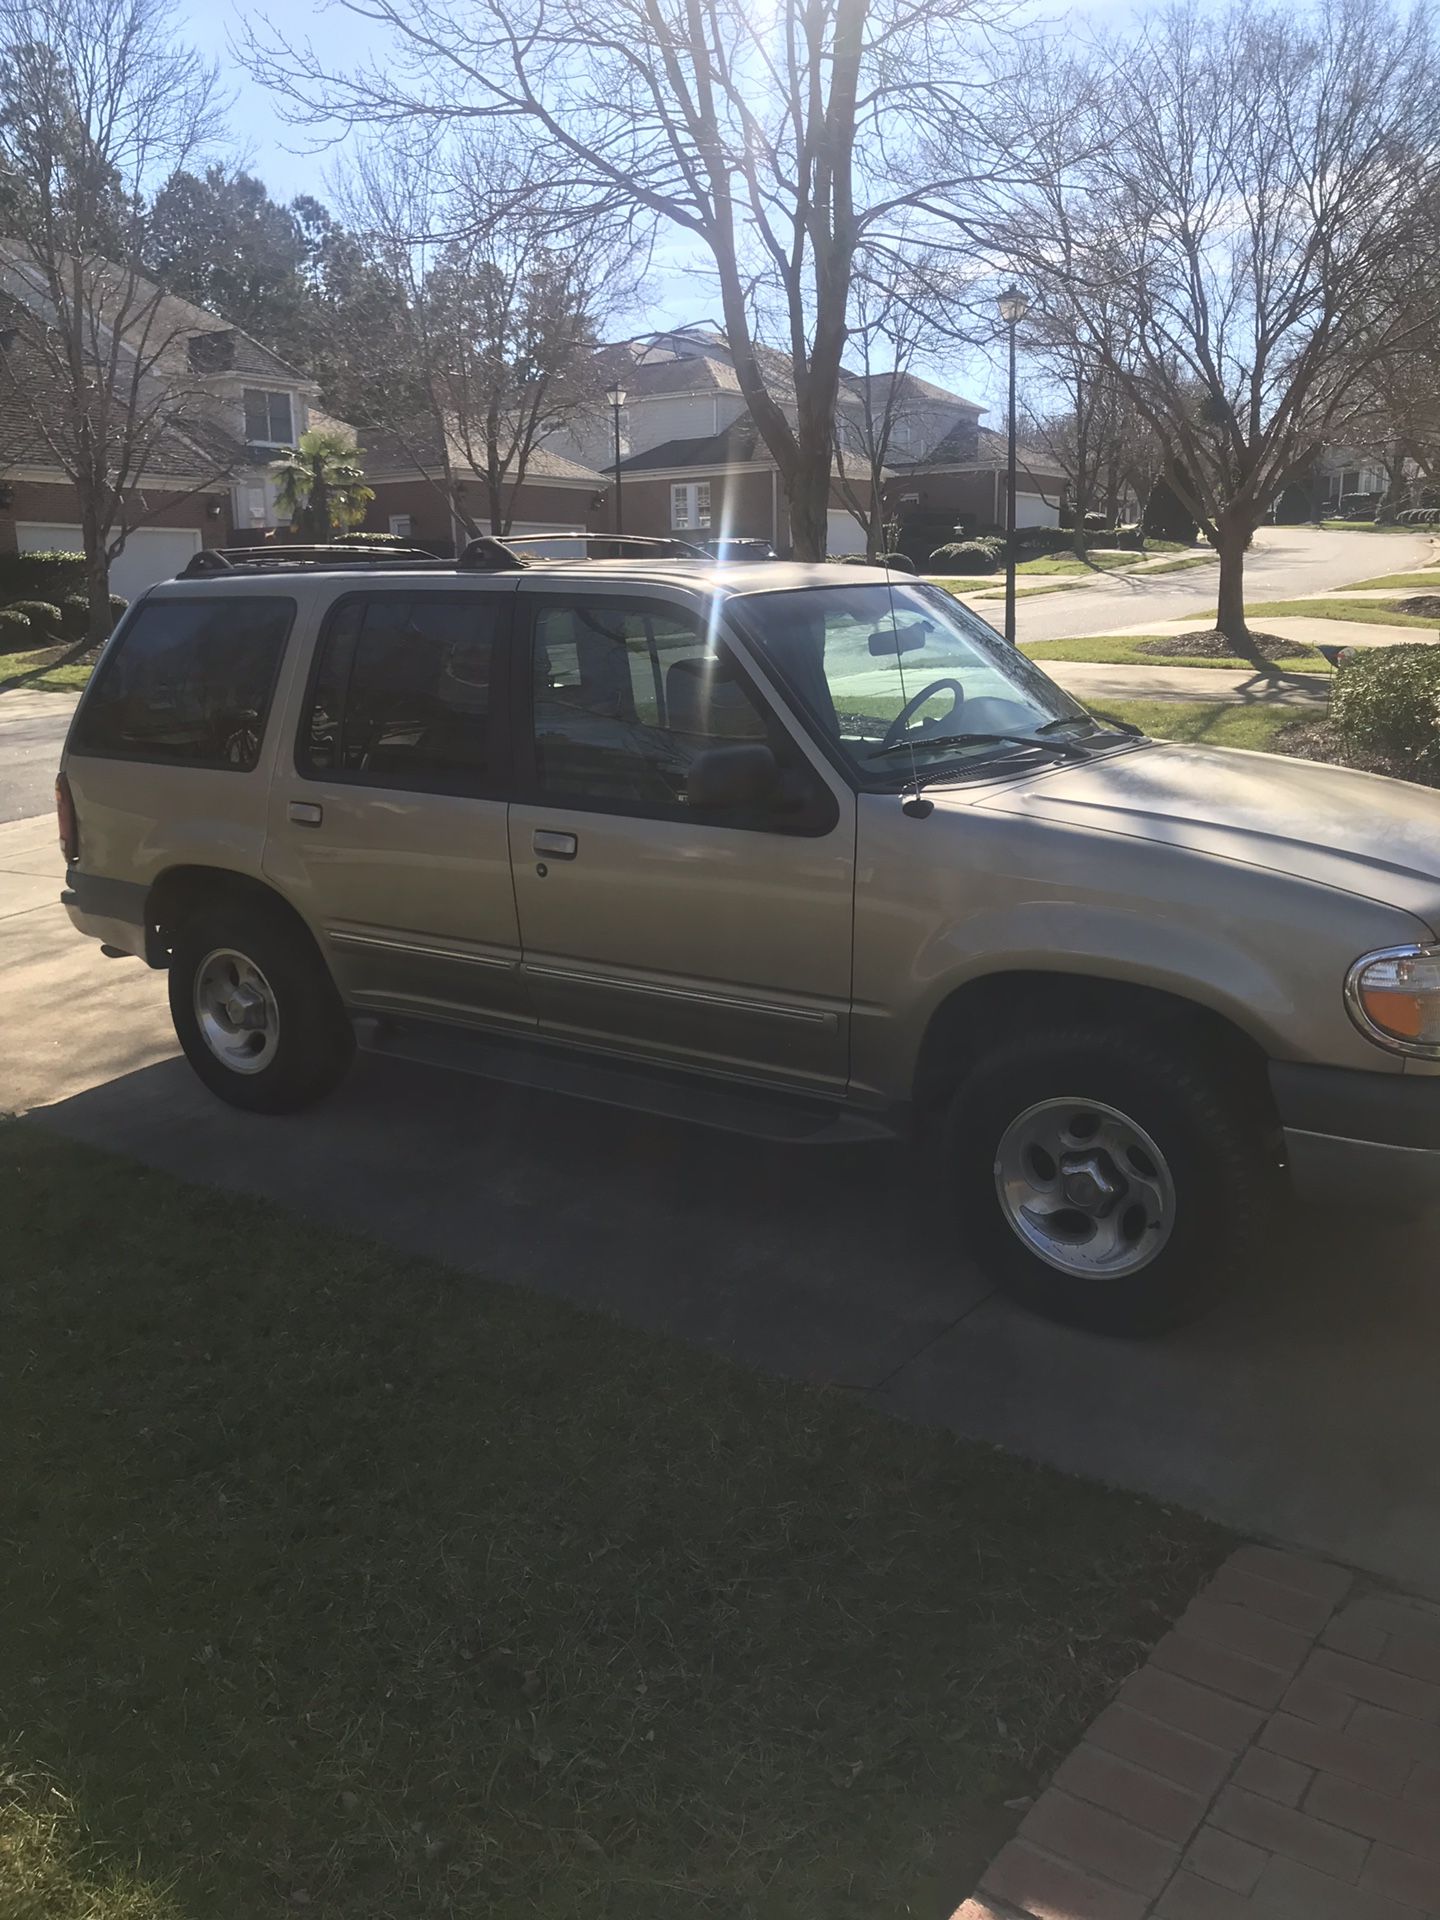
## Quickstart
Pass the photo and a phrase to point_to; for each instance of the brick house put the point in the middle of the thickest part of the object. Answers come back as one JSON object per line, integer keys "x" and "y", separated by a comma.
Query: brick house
{"x": 413, "y": 496}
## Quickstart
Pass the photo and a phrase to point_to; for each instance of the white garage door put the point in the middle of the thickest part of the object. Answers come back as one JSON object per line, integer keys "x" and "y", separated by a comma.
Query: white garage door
{"x": 151, "y": 553}
{"x": 842, "y": 532}
{"x": 1034, "y": 510}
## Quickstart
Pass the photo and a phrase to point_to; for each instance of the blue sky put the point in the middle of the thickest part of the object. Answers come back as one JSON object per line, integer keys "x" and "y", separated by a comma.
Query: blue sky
{"x": 278, "y": 154}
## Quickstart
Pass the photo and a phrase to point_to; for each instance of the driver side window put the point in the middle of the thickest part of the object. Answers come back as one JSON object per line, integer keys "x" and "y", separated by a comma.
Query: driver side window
{"x": 626, "y": 696}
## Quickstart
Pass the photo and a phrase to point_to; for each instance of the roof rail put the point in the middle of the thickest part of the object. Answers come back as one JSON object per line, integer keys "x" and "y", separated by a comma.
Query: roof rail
{"x": 490, "y": 555}
{"x": 270, "y": 558}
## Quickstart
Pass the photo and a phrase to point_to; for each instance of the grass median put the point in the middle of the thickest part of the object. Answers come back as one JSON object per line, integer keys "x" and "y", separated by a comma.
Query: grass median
{"x": 1147, "y": 650}
{"x": 1376, "y": 613}
{"x": 1221, "y": 723}
{"x": 340, "y": 1581}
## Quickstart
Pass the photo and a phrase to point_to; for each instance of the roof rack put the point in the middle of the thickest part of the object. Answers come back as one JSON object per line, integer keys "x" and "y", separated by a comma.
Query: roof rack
{"x": 488, "y": 554}
{"x": 270, "y": 558}
{"x": 483, "y": 555}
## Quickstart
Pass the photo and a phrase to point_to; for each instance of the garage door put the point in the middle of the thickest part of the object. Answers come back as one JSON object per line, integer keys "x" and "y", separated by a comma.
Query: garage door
{"x": 151, "y": 553}
{"x": 842, "y": 532}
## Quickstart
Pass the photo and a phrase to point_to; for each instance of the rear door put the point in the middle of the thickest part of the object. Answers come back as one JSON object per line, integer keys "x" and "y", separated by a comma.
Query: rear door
{"x": 722, "y": 943}
{"x": 388, "y": 824}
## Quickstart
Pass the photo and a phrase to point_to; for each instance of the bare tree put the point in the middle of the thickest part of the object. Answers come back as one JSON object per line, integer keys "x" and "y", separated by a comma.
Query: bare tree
{"x": 1207, "y": 203}
{"x": 892, "y": 320}
{"x": 99, "y": 102}
{"x": 501, "y": 324}
{"x": 777, "y": 141}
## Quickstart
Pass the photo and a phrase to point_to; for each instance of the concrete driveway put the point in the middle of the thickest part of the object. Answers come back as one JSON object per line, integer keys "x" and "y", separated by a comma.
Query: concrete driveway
{"x": 1306, "y": 1409}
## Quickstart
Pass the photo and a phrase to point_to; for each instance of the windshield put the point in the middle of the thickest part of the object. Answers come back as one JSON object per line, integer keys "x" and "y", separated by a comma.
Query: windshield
{"x": 891, "y": 671}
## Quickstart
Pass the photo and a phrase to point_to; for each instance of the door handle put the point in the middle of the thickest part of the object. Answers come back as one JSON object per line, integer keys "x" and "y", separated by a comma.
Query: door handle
{"x": 558, "y": 846}
{"x": 305, "y": 813}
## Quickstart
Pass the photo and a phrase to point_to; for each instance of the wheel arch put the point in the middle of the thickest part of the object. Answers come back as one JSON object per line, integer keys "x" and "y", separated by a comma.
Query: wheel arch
{"x": 180, "y": 890}
{"x": 977, "y": 1012}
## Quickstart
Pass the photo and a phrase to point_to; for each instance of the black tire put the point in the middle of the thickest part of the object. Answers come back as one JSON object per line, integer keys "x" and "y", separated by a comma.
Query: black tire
{"x": 1201, "y": 1111}
{"x": 315, "y": 1041}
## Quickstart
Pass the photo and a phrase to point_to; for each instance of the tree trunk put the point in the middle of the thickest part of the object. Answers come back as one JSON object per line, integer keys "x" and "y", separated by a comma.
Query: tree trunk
{"x": 808, "y": 492}
{"x": 97, "y": 576}
{"x": 1231, "y": 537}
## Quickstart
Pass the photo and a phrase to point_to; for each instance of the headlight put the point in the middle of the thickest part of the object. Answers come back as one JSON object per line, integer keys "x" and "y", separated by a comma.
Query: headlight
{"x": 1394, "y": 998}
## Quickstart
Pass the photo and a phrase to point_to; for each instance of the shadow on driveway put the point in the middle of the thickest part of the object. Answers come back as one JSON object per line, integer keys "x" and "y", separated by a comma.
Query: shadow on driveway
{"x": 1304, "y": 1408}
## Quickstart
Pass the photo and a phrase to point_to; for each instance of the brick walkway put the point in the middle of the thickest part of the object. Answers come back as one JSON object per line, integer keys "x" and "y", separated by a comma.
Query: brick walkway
{"x": 1277, "y": 1759}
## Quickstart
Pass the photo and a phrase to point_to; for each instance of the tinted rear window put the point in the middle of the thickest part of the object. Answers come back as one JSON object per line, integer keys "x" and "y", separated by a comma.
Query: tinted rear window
{"x": 190, "y": 682}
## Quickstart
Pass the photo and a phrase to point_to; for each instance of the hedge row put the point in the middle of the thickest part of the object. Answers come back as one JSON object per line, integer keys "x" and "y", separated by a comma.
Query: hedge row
{"x": 40, "y": 576}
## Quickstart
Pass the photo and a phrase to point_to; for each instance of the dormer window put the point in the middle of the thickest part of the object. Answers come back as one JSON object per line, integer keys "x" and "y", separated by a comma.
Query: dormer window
{"x": 269, "y": 418}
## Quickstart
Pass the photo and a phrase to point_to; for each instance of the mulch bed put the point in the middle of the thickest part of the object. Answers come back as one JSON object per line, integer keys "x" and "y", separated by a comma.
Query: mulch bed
{"x": 1317, "y": 739}
{"x": 1213, "y": 645}
{"x": 1427, "y": 604}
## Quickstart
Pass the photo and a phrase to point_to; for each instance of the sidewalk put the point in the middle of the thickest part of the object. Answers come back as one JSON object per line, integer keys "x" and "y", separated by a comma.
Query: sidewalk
{"x": 1278, "y": 1758}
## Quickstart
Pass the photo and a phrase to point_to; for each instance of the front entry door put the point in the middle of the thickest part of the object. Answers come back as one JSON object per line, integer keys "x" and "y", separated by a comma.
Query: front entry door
{"x": 390, "y": 834}
{"x": 716, "y": 942}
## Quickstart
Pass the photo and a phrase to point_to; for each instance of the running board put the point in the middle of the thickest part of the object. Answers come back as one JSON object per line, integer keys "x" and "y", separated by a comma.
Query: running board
{"x": 781, "y": 1118}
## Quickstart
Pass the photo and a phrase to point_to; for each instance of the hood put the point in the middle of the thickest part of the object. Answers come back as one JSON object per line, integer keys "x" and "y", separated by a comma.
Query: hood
{"x": 1356, "y": 832}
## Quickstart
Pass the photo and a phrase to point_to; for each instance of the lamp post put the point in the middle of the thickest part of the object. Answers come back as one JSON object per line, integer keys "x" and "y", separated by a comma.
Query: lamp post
{"x": 616, "y": 396}
{"x": 1013, "y": 305}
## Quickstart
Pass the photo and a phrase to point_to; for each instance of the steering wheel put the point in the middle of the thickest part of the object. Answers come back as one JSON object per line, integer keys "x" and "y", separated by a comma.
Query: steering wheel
{"x": 900, "y": 724}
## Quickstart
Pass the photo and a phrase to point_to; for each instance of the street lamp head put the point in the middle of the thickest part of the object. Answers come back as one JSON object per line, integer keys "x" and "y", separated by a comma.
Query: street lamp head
{"x": 1013, "y": 305}
{"x": 615, "y": 395}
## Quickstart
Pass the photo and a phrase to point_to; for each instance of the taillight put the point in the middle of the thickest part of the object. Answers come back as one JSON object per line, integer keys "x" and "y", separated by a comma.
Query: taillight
{"x": 69, "y": 826}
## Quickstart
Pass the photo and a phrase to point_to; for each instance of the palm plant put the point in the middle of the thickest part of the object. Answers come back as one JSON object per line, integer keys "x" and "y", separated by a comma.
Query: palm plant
{"x": 320, "y": 484}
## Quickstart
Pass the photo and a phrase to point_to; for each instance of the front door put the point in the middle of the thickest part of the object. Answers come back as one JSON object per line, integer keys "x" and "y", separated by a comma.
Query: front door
{"x": 712, "y": 941}
{"x": 390, "y": 832}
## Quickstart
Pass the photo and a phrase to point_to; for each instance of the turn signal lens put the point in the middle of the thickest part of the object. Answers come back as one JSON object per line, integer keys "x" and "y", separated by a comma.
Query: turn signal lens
{"x": 1395, "y": 998}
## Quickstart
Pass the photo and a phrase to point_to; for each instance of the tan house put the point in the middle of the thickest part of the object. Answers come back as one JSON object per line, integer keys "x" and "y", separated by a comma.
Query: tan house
{"x": 218, "y": 407}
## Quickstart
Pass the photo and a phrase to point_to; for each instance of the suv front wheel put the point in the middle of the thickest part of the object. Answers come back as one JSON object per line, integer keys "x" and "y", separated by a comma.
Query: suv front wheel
{"x": 1110, "y": 1179}
{"x": 255, "y": 1010}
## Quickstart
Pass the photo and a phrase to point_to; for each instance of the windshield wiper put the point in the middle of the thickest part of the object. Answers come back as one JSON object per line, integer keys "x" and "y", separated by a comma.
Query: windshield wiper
{"x": 1060, "y": 749}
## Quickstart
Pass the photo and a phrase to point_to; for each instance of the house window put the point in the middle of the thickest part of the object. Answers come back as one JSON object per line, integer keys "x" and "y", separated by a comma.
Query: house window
{"x": 269, "y": 418}
{"x": 402, "y": 525}
{"x": 690, "y": 505}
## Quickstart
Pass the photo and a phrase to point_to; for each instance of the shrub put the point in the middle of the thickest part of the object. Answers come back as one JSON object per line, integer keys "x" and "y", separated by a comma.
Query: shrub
{"x": 15, "y": 630}
{"x": 375, "y": 540}
{"x": 970, "y": 556}
{"x": 1130, "y": 536}
{"x": 1036, "y": 540}
{"x": 74, "y": 615}
{"x": 1386, "y": 700}
{"x": 1166, "y": 517}
{"x": 897, "y": 562}
{"x": 47, "y": 575}
{"x": 44, "y": 617}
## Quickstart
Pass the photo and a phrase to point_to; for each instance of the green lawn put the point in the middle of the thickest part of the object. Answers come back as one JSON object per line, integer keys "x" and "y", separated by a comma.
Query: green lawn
{"x": 1182, "y": 565}
{"x": 1222, "y": 723}
{"x": 1420, "y": 582}
{"x": 1124, "y": 649}
{"x": 1364, "y": 526}
{"x": 27, "y": 670}
{"x": 1374, "y": 612}
{"x": 338, "y": 1580}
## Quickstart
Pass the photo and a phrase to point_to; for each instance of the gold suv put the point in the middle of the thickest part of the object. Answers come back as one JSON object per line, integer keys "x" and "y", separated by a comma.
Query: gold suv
{"x": 802, "y": 851}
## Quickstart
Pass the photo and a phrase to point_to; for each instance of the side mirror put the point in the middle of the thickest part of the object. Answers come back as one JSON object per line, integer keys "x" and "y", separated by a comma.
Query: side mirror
{"x": 733, "y": 777}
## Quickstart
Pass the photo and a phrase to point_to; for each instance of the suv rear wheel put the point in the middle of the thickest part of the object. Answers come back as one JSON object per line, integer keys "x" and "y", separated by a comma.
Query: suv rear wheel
{"x": 1110, "y": 1179}
{"x": 255, "y": 1009}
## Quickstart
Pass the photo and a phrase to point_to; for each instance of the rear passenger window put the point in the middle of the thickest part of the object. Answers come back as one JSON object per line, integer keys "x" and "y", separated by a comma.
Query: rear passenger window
{"x": 403, "y": 694}
{"x": 189, "y": 681}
